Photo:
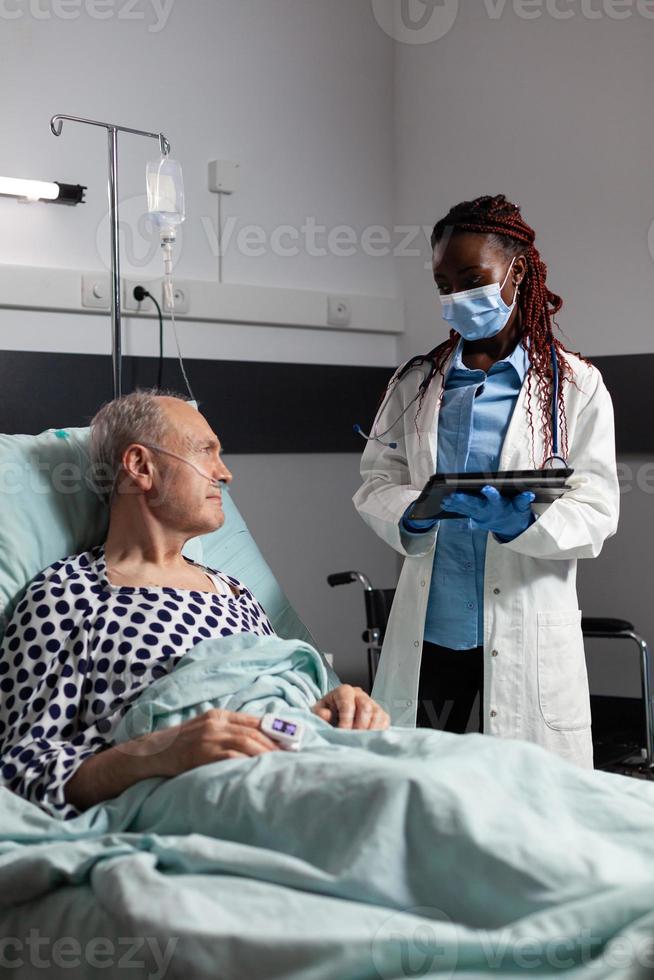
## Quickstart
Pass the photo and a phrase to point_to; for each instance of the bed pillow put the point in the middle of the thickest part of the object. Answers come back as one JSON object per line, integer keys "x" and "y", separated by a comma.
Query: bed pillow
{"x": 232, "y": 549}
{"x": 48, "y": 510}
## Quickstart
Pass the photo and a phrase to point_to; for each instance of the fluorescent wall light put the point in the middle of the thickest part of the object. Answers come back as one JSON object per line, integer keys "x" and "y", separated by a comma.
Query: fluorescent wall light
{"x": 52, "y": 192}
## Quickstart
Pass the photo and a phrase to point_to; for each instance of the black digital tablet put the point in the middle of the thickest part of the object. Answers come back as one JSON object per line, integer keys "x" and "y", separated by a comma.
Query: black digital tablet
{"x": 547, "y": 485}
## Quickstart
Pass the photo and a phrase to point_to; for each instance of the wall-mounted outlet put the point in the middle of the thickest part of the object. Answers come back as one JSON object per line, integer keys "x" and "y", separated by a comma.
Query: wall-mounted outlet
{"x": 96, "y": 291}
{"x": 131, "y": 305}
{"x": 182, "y": 294}
{"x": 339, "y": 312}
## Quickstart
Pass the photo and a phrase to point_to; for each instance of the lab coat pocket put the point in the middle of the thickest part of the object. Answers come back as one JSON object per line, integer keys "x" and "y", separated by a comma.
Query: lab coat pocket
{"x": 562, "y": 677}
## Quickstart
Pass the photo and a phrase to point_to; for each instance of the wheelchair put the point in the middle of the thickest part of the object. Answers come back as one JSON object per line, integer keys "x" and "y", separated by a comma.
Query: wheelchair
{"x": 623, "y": 728}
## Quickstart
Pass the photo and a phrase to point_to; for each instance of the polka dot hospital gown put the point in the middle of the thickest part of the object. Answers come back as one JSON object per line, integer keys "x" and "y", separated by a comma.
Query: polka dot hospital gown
{"x": 78, "y": 649}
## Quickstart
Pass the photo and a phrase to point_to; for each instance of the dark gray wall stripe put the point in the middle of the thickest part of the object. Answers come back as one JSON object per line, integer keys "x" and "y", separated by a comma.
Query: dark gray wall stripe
{"x": 255, "y": 407}
{"x": 262, "y": 407}
{"x": 629, "y": 380}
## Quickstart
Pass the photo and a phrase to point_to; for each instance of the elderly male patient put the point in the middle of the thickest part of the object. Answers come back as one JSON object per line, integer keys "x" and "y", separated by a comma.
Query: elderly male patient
{"x": 94, "y": 629}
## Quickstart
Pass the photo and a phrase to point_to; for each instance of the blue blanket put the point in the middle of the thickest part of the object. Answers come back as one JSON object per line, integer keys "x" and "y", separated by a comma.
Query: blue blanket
{"x": 367, "y": 854}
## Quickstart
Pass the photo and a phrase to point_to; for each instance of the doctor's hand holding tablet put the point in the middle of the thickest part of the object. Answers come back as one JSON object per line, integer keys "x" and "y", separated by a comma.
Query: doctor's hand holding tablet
{"x": 491, "y": 469}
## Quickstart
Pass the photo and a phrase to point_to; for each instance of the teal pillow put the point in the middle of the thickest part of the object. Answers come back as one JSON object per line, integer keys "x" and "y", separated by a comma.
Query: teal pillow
{"x": 232, "y": 549}
{"x": 48, "y": 510}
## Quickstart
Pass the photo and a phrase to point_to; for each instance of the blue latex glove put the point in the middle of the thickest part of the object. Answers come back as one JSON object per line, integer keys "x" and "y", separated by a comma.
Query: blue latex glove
{"x": 416, "y": 526}
{"x": 507, "y": 517}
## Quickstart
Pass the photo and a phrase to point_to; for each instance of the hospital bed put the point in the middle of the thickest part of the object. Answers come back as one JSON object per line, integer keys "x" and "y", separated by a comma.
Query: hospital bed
{"x": 256, "y": 897}
{"x": 614, "y": 749}
{"x": 48, "y": 510}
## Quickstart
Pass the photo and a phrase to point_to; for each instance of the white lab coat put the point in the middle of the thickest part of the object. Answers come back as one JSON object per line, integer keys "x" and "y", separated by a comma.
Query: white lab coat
{"x": 535, "y": 680}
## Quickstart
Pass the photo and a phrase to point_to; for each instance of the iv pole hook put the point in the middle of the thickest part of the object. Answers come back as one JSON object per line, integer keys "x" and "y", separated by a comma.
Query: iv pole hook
{"x": 56, "y": 126}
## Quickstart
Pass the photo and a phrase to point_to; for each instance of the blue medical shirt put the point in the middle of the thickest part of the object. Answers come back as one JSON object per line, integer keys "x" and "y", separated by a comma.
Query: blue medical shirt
{"x": 474, "y": 416}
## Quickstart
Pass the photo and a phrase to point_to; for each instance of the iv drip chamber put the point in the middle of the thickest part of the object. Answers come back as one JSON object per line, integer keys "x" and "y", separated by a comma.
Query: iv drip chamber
{"x": 165, "y": 189}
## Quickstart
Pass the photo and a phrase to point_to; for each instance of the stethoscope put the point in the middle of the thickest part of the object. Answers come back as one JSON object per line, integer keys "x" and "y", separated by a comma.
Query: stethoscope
{"x": 554, "y": 462}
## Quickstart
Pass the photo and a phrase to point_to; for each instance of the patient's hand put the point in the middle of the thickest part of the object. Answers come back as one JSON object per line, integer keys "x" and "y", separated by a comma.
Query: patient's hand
{"x": 352, "y": 707}
{"x": 216, "y": 734}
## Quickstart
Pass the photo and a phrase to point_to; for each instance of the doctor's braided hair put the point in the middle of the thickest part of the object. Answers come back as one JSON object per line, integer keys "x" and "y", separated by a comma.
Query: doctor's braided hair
{"x": 507, "y": 229}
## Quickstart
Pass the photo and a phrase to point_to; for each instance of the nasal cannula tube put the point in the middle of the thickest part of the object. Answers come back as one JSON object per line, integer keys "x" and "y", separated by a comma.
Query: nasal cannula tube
{"x": 212, "y": 480}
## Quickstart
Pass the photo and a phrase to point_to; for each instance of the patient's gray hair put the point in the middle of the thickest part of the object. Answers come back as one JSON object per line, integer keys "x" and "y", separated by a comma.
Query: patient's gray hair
{"x": 137, "y": 417}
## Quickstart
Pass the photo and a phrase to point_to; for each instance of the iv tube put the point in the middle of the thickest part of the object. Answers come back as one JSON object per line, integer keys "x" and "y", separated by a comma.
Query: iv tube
{"x": 165, "y": 188}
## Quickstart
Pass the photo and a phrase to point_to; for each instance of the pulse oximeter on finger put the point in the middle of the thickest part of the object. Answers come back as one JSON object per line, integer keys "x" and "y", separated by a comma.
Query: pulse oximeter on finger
{"x": 289, "y": 734}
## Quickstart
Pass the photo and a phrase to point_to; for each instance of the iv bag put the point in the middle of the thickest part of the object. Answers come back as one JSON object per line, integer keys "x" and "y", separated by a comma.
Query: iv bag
{"x": 165, "y": 188}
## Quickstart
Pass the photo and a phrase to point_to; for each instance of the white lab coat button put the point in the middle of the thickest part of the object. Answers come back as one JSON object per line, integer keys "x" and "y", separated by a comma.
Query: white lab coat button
{"x": 494, "y": 653}
{"x": 496, "y": 591}
{"x": 493, "y": 713}
{"x": 416, "y": 643}
{"x": 423, "y": 583}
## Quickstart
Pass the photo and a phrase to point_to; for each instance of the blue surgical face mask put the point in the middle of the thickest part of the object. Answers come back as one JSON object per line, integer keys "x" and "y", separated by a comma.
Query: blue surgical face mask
{"x": 478, "y": 313}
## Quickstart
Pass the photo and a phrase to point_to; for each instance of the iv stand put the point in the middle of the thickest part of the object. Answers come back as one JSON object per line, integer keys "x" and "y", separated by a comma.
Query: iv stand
{"x": 56, "y": 125}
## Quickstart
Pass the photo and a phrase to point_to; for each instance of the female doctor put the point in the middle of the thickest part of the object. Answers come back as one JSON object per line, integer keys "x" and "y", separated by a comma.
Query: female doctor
{"x": 486, "y": 603}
